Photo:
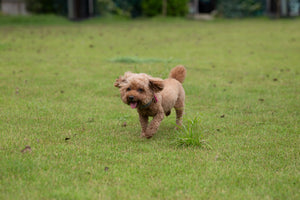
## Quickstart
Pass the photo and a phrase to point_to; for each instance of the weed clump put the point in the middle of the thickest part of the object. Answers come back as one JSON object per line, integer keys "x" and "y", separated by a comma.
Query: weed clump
{"x": 189, "y": 134}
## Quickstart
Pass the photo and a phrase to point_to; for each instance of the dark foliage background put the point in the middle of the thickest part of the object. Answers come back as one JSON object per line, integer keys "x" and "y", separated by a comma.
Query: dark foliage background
{"x": 240, "y": 8}
{"x": 174, "y": 7}
{"x": 47, "y": 6}
{"x": 150, "y": 8}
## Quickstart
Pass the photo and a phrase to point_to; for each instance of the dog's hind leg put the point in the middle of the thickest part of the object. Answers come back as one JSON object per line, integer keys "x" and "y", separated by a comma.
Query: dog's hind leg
{"x": 179, "y": 113}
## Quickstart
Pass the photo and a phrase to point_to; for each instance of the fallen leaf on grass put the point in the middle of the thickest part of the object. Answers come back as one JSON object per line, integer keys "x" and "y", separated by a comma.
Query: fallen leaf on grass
{"x": 90, "y": 120}
{"x": 17, "y": 90}
{"x": 26, "y": 149}
{"x": 217, "y": 157}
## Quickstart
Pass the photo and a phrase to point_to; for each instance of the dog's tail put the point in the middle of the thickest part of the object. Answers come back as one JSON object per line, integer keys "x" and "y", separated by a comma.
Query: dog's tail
{"x": 178, "y": 73}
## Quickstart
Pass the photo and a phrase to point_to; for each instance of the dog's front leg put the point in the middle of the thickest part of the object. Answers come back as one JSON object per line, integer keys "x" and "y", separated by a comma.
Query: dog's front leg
{"x": 144, "y": 124}
{"x": 152, "y": 128}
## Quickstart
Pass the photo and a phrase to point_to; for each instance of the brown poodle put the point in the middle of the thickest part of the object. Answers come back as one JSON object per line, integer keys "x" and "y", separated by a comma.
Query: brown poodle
{"x": 153, "y": 97}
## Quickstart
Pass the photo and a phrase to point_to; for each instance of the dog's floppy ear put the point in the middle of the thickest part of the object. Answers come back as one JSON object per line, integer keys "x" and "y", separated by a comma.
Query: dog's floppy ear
{"x": 118, "y": 82}
{"x": 156, "y": 84}
{"x": 122, "y": 79}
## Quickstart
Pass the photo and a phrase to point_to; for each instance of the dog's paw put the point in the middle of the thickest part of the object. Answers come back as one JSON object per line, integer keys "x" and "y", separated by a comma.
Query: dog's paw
{"x": 148, "y": 136}
{"x": 145, "y": 136}
{"x": 142, "y": 135}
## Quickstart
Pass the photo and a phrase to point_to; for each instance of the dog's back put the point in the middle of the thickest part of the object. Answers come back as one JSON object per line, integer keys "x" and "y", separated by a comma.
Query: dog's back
{"x": 178, "y": 73}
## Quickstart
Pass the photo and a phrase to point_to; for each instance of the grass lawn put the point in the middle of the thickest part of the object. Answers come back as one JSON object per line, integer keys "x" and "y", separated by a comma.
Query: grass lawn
{"x": 57, "y": 96}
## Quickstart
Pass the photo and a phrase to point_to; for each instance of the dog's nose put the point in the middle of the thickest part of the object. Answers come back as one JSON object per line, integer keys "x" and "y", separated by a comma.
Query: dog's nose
{"x": 130, "y": 98}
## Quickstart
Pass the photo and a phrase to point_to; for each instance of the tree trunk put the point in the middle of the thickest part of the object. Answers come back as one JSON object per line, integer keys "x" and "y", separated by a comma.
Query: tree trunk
{"x": 164, "y": 7}
{"x": 278, "y": 8}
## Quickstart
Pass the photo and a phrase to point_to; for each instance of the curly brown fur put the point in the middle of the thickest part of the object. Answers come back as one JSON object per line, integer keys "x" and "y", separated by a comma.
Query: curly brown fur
{"x": 153, "y": 97}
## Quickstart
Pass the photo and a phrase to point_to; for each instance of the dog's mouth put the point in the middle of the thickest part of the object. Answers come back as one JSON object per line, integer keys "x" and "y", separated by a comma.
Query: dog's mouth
{"x": 133, "y": 104}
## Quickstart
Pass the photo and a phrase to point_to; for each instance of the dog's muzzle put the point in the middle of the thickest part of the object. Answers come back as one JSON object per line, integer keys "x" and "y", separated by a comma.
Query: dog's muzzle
{"x": 133, "y": 104}
{"x": 130, "y": 98}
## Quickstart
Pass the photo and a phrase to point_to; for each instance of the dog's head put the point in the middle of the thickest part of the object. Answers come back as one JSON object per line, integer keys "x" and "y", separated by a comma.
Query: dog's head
{"x": 138, "y": 89}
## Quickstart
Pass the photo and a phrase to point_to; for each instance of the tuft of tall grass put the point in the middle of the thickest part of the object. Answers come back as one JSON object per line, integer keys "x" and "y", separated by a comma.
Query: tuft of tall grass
{"x": 189, "y": 134}
{"x": 130, "y": 60}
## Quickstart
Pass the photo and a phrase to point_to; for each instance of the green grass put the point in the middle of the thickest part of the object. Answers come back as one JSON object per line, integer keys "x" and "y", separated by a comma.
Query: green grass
{"x": 57, "y": 96}
{"x": 36, "y": 20}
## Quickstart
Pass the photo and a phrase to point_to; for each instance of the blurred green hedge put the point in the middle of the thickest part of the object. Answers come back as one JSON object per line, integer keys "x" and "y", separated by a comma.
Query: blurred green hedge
{"x": 240, "y": 8}
{"x": 133, "y": 8}
{"x": 174, "y": 7}
{"x": 47, "y": 6}
{"x": 149, "y": 8}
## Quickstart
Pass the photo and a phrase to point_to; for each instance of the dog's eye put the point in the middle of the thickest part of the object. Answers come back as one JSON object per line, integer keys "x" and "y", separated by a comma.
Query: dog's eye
{"x": 128, "y": 89}
{"x": 140, "y": 90}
